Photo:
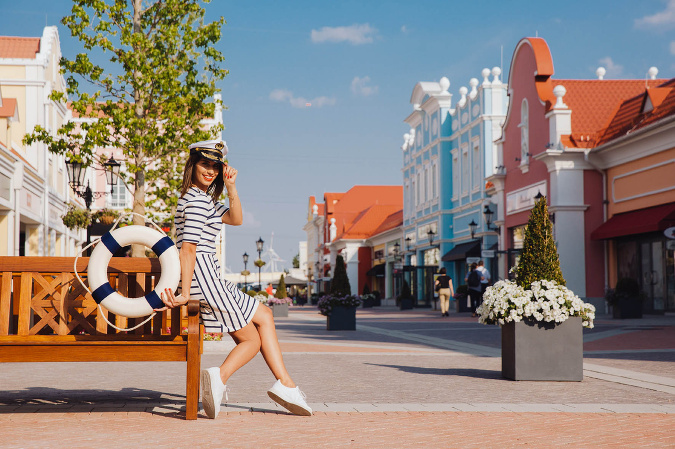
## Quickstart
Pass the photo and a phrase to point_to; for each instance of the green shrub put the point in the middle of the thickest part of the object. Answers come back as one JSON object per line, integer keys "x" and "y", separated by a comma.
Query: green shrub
{"x": 281, "y": 289}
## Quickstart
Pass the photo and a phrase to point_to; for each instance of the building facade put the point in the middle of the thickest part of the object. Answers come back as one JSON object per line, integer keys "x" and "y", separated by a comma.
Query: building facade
{"x": 34, "y": 189}
{"x": 447, "y": 155}
{"x": 551, "y": 128}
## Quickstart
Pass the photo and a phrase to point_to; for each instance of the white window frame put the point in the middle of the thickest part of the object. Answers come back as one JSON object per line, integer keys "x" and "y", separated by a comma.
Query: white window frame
{"x": 524, "y": 126}
{"x": 455, "y": 174}
{"x": 465, "y": 169}
{"x": 475, "y": 165}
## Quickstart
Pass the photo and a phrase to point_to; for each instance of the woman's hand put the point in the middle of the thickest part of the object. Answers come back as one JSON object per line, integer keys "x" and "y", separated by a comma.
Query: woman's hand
{"x": 229, "y": 177}
{"x": 170, "y": 300}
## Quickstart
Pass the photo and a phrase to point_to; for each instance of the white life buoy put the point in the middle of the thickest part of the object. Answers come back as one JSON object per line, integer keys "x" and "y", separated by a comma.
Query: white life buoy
{"x": 97, "y": 270}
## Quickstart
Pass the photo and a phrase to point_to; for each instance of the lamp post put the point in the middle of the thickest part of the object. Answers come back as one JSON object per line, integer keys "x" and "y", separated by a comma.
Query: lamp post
{"x": 245, "y": 256}
{"x": 488, "y": 213}
{"x": 259, "y": 246}
{"x": 472, "y": 228}
{"x": 430, "y": 235}
{"x": 76, "y": 173}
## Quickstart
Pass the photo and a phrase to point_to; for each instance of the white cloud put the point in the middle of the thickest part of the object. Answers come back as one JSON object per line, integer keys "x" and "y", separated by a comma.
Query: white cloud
{"x": 613, "y": 70}
{"x": 404, "y": 29}
{"x": 663, "y": 19}
{"x": 355, "y": 34}
{"x": 359, "y": 86}
{"x": 284, "y": 95}
{"x": 672, "y": 48}
{"x": 250, "y": 220}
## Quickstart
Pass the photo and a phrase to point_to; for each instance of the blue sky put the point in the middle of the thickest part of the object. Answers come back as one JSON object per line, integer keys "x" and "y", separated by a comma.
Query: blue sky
{"x": 357, "y": 62}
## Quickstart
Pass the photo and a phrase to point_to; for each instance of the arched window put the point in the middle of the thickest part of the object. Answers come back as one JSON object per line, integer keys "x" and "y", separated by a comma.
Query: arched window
{"x": 524, "y": 133}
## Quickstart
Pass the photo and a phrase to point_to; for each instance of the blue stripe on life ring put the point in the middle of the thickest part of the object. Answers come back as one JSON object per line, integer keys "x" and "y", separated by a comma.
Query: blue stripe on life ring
{"x": 102, "y": 292}
{"x": 154, "y": 300}
{"x": 109, "y": 241}
{"x": 161, "y": 246}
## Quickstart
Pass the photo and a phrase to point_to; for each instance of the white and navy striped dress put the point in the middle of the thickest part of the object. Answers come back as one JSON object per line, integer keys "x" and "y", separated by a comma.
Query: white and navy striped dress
{"x": 224, "y": 308}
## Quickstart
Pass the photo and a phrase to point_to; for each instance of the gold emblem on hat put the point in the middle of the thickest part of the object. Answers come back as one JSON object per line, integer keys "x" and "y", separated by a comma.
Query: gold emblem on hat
{"x": 220, "y": 146}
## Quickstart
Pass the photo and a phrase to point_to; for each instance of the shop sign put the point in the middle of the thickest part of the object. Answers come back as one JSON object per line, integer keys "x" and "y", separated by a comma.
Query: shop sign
{"x": 470, "y": 260}
{"x": 670, "y": 232}
{"x": 487, "y": 253}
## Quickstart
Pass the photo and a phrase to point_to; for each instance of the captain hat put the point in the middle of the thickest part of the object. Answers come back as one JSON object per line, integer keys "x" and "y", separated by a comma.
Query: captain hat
{"x": 214, "y": 150}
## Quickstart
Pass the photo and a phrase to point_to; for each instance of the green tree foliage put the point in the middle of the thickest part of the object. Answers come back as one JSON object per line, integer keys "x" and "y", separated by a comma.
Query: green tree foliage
{"x": 366, "y": 290}
{"x": 158, "y": 72}
{"x": 281, "y": 289}
{"x": 296, "y": 261}
{"x": 539, "y": 260}
{"x": 339, "y": 285}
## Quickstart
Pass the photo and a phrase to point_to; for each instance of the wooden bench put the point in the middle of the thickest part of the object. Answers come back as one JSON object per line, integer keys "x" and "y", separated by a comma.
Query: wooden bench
{"x": 47, "y": 316}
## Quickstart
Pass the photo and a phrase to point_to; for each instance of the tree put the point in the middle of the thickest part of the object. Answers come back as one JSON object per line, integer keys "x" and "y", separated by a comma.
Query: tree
{"x": 539, "y": 260}
{"x": 296, "y": 261}
{"x": 161, "y": 69}
{"x": 281, "y": 289}
{"x": 339, "y": 285}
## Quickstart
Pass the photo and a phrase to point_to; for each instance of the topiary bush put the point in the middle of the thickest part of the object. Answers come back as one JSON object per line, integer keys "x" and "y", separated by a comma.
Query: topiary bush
{"x": 339, "y": 285}
{"x": 281, "y": 289}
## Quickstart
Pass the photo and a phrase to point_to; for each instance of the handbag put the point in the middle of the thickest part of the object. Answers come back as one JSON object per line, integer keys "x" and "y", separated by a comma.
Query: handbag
{"x": 438, "y": 287}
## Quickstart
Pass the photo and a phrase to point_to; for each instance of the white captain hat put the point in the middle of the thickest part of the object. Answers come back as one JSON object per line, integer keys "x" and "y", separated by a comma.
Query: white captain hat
{"x": 214, "y": 150}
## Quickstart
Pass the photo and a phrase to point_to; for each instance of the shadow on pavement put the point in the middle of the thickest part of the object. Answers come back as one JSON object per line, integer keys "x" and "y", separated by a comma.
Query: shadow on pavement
{"x": 464, "y": 372}
{"x": 53, "y": 400}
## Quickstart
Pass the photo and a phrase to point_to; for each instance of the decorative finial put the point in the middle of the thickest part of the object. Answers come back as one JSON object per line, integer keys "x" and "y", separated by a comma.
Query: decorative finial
{"x": 473, "y": 82}
{"x": 559, "y": 91}
{"x": 485, "y": 73}
{"x": 652, "y": 72}
{"x": 445, "y": 84}
{"x": 496, "y": 71}
{"x": 463, "y": 91}
{"x": 600, "y": 72}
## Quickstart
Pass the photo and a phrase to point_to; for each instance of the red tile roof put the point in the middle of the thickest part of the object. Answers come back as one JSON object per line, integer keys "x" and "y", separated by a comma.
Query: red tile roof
{"x": 391, "y": 222}
{"x": 366, "y": 223}
{"x": 19, "y": 47}
{"x": 631, "y": 115}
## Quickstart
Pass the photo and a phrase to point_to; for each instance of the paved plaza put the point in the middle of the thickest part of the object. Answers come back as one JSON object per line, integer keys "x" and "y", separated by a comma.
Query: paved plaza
{"x": 403, "y": 379}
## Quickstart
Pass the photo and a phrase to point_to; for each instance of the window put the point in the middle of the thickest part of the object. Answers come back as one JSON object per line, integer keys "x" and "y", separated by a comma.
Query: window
{"x": 455, "y": 175}
{"x": 524, "y": 133}
{"x": 419, "y": 188}
{"x": 476, "y": 164}
{"x": 434, "y": 181}
{"x": 406, "y": 199}
{"x": 465, "y": 170}
{"x": 412, "y": 194}
{"x": 426, "y": 184}
{"x": 118, "y": 198}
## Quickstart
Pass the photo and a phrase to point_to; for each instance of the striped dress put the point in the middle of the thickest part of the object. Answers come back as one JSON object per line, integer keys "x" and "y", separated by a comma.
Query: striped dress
{"x": 224, "y": 308}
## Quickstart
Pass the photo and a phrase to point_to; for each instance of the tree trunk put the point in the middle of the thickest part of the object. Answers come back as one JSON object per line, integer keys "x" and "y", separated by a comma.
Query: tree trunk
{"x": 139, "y": 182}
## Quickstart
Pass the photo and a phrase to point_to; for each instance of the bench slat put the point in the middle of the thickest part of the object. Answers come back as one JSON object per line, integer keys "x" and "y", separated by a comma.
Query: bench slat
{"x": 91, "y": 352}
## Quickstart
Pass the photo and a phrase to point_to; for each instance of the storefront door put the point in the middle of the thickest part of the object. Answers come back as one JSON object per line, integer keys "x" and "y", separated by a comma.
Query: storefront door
{"x": 652, "y": 267}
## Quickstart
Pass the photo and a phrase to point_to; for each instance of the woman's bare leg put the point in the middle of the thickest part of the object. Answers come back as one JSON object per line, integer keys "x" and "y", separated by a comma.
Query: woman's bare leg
{"x": 269, "y": 345}
{"x": 248, "y": 345}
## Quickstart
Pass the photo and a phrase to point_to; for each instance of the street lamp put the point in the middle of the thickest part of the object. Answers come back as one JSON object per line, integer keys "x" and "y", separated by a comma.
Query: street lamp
{"x": 76, "y": 173}
{"x": 430, "y": 235}
{"x": 472, "y": 228}
{"x": 397, "y": 252}
{"x": 408, "y": 244}
{"x": 259, "y": 246}
{"x": 245, "y": 256}
{"x": 488, "y": 213}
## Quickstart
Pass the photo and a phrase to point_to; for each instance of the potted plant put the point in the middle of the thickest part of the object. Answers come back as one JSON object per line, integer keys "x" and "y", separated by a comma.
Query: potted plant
{"x": 541, "y": 319}
{"x": 105, "y": 216}
{"x": 625, "y": 299}
{"x": 405, "y": 299}
{"x": 76, "y": 218}
{"x": 339, "y": 306}
{"x": 367, "y": 298}
{"x": 280, "y": 302}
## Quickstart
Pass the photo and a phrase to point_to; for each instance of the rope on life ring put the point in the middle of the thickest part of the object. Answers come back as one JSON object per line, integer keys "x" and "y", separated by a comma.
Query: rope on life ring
{"x": 97, "y": 270}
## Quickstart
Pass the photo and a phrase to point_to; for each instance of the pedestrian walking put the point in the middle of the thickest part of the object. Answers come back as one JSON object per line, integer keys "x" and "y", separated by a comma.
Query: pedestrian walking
{"x": 445, "y": 291}
{"x": 486, "y": 279}
{"x": 473, "y": 279}
{"x": 224, "y": 308}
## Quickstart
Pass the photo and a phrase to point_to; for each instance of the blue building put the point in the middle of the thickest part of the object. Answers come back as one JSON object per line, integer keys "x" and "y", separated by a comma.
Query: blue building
{"x": 447, "y": 155}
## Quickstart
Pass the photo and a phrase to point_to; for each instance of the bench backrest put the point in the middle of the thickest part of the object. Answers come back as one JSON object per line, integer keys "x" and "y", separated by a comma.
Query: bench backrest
{"x": 42, "y": 296}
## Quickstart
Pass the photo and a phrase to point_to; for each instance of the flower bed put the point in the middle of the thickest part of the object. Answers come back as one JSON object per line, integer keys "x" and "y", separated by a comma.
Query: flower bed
{"x": 327, "y": 302}
{"x": 545, "y": 301}
{"x": 280, "y": 301}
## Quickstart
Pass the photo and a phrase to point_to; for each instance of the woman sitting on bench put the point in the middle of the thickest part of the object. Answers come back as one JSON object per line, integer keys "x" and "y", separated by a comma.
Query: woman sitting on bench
{"x": 223, "y": 307}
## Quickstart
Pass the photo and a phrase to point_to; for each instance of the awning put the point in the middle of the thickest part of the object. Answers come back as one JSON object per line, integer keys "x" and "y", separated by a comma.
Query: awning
{"x": 640, "y": 221}
{"x": 376, "y": 271}
{"x": 462, "y": 251}
{"x": 290, "y": 280}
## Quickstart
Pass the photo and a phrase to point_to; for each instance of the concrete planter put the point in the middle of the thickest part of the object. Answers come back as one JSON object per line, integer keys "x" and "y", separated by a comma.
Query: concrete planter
{"x": 406, "y": 304}
{"x": 534, "y": 350}
{"x": 627, "y": 308}
{"x": 341, "y": 319}
{"x": 279, "y": 310}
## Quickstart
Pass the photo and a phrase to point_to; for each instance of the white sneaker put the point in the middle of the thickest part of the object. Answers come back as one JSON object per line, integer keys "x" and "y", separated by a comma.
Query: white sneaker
{"x": 292, "y": 399}
{"x": 212, "y": 391}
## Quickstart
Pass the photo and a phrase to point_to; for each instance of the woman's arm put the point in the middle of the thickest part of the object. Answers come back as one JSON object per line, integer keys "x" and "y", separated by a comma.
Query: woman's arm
{"x": 452, "y": 290}
{"x": 188, "y": 259}
{"x": 233, "y": 216}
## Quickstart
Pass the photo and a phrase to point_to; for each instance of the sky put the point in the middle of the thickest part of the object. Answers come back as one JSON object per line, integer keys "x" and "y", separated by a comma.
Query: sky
{"x": 317, "y": 91}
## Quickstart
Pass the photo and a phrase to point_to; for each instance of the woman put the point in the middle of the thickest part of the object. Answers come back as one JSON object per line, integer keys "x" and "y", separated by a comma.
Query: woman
{"x": 223, "y": 307}
{"x": 445, "y": 292}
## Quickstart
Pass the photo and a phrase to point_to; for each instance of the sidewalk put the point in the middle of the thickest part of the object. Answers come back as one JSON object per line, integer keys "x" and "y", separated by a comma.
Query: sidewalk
{"x": 403, "y": 379}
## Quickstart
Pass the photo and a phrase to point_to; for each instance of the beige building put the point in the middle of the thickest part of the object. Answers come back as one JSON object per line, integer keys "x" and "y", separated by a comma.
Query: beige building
{"x": 34, "y": 189}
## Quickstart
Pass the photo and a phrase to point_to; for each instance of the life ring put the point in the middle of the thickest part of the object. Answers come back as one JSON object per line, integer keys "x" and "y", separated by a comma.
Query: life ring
{"x": 111, "y": 242}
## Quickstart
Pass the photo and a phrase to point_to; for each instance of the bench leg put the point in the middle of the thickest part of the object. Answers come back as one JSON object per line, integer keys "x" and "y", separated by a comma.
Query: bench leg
{"x": 193, "y": 362}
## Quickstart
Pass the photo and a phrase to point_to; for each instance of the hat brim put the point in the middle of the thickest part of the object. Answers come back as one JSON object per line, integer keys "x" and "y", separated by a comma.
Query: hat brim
{"x": 207, "y": 153}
